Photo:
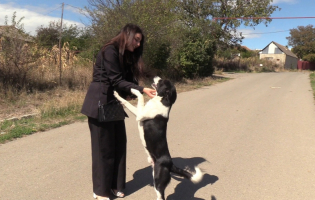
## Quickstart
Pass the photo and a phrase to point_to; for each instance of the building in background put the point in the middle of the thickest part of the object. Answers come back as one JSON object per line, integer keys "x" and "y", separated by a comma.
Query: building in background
{"x": 9, "y": 31}
{"x": 279, "y": 54}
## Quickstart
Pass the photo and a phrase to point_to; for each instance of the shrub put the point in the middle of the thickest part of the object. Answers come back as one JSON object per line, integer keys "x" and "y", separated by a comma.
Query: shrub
{"x": 252, "y": 64}
{"x": 309, "y": 57}
{"x": 157, "y": 54}
{"x": 195, "y": 56}
{"x": 248, "y": 54}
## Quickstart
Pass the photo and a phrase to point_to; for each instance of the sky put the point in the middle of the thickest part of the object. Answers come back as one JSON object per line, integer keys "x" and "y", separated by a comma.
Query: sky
{"x": 37, "y": 13}
{"x": 279, "y": 29}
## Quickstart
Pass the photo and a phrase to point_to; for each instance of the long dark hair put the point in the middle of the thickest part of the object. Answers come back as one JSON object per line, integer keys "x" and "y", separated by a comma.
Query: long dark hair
{"x": 127, "y": 34}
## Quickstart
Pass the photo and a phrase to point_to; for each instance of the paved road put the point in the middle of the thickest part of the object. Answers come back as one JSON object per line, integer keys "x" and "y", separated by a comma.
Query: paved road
{"x": 254, "y": 136}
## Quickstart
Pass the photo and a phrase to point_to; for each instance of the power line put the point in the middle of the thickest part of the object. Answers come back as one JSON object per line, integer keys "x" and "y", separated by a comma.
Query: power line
{"x": 80, "y": 9}
{"x": 54, "y": 9}
{"x": 218, "y": 18}
{"x": 265, "y": 32}
{"x": 60, "y": 6}
{"x": 73, "y": 6}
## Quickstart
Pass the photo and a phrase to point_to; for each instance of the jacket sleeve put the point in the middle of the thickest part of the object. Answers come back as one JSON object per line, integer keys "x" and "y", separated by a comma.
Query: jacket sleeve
{"x": 114, "y": 71}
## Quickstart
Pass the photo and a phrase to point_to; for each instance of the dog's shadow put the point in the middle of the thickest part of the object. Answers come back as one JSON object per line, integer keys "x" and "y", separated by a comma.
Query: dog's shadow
{"x": 184, "y": 190}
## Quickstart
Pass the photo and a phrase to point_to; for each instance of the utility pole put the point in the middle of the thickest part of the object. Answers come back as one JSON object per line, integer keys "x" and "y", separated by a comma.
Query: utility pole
{"x": 60, "y": 36}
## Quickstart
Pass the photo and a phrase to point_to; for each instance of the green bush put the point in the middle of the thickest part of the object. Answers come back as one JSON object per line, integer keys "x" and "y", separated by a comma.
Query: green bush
{"x": 195, "y": 57}
{"x": 157, "y": 55}
{"x": 248, "y": 54}
{"x": 309, "y": 57}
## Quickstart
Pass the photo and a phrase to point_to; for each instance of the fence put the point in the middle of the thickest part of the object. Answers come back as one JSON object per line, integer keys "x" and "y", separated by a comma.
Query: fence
{"x": 305, "y": 65}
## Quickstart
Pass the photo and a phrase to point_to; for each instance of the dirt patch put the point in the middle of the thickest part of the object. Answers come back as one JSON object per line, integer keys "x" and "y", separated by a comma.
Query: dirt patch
{"x": 17, "y": 109}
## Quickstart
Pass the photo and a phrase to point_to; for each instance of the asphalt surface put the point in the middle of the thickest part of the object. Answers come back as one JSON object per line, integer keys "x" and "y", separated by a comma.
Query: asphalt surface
{"x": 254, "y": 136}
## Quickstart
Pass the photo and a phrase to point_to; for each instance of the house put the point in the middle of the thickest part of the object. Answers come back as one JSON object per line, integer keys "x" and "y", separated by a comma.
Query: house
{"x": 7, "y": 31}
{"x": 245, "y": 48}
{"x": 280, "y": 55}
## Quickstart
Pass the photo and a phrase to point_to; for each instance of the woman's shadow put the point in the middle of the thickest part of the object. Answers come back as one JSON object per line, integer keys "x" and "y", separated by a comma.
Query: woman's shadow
{"x": 184, "y": 190}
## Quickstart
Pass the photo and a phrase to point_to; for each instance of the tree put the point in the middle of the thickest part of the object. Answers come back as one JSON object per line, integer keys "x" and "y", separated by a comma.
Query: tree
{"x": 48, "y": 36}
{"x": 77, "y": 37}
{"x": 153, "y": 16}
{"x": 218, "y": 17}
{"x": 302, "y": 39}
{"x": 309, "y": 57}
{"x": 167, "y": 23}
{"x": 19, "y": 55}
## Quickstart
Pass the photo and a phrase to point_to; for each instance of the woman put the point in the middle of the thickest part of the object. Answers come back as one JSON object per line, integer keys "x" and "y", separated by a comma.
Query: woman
{"x": 118, "y": 66}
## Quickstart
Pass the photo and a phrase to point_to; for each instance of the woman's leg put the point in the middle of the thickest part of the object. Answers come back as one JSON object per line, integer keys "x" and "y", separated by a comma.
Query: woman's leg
{"x": 103, "y": 155}
{"x": 119, "y": 177}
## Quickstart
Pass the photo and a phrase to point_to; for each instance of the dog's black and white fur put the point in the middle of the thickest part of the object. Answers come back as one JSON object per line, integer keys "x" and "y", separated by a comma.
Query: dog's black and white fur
{"x": 152, "y": 120}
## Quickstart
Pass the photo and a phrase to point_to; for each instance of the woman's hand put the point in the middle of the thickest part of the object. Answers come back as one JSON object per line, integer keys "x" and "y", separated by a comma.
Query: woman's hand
{"x": 150, "y": 92}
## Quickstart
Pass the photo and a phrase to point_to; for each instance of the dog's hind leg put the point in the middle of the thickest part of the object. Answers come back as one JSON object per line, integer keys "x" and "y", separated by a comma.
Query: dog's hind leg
{"x": 162, "y": 178}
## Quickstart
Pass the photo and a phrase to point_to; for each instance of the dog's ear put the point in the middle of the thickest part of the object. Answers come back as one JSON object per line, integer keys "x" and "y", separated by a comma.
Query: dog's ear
{"x": 167, "y": 93}
{"x": 172, "y": 95}
{"x": 166, "y": 96}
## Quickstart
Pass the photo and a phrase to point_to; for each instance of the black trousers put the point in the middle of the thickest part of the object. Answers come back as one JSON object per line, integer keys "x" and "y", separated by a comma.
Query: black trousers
{"x": 108, "y": 141}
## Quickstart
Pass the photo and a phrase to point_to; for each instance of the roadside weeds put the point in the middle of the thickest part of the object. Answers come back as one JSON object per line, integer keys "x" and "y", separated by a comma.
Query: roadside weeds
{"x": 61, "y": 107}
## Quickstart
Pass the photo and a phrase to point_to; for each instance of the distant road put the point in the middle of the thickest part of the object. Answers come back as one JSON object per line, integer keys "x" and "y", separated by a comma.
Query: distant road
{"x": 254, "y": 136}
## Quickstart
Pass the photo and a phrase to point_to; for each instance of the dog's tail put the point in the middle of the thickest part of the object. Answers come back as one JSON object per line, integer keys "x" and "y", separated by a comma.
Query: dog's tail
{"x": 195, "y": 177}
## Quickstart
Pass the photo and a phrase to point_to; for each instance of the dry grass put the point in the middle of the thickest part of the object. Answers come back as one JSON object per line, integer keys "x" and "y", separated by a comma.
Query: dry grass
{"x": 59, "y": 107}
{"x": 54, "y": 104}
{"x": 59, "y": 99}
{"x": 252, "y": 64}
{"x": 43, "y": 95}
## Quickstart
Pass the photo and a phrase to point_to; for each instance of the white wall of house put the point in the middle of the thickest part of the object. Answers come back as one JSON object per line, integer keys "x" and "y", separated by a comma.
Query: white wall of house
{"x": 272, "y": 47}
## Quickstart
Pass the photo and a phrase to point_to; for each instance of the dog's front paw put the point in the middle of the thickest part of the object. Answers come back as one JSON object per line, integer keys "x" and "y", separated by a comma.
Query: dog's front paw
{"x": 150, "y": 160}
{"x": 116, "y": 95}
{"x": 136, "y": 92}
{"x": 138, "y": 118}
{"x": 119, "y": 97}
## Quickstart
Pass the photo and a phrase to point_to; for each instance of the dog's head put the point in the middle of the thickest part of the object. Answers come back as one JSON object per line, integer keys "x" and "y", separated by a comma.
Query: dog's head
{"x": 166, "y": 90}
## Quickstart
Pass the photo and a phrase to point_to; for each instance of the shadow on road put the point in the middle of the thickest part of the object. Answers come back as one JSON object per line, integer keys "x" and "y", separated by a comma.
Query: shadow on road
{"x": 184, "y": 190}
{"x": 141, "y": 178}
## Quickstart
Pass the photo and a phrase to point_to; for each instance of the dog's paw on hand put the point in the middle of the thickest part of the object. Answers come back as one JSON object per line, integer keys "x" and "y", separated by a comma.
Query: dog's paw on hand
{"x": 136, "y": 92}
{"x": 116, "y": 94}
{"x": 118, "y": 97}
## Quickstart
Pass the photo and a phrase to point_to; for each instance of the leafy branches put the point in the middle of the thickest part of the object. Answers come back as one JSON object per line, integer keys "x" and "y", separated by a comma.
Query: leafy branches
{"x": 251, "y": 12}
{"x": 167, "y": 23}
{"x": 302, "y": 39}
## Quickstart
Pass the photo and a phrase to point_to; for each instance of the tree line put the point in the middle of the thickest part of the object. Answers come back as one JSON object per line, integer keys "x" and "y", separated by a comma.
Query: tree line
{"x": 181, "y": 37}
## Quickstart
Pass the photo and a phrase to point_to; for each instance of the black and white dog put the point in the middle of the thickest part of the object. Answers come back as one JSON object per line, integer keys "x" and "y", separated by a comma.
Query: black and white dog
{"x": 152, "y": 120}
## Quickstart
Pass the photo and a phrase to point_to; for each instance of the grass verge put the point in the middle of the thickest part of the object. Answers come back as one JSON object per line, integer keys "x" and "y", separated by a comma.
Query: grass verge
{"x": 62, "y": 107}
